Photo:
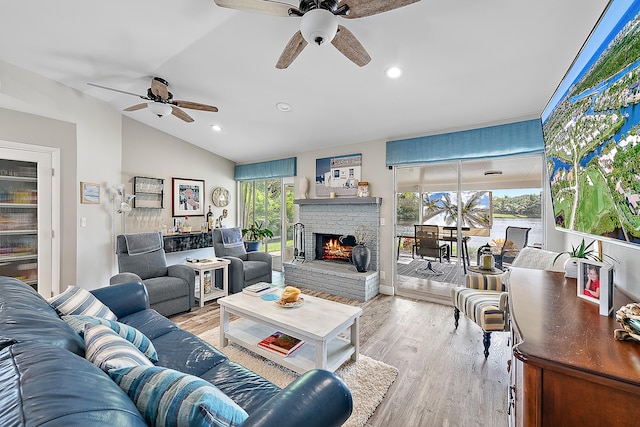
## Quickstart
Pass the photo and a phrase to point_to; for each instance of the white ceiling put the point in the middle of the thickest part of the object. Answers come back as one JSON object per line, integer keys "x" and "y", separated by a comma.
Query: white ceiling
{"x": 466, "y": 63}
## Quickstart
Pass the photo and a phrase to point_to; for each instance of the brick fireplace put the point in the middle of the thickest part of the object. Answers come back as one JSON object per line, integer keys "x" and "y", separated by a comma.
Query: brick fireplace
{"x": 327, "y": 219}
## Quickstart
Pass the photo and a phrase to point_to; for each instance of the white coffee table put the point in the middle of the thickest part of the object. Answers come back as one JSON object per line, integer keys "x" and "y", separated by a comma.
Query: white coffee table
{"x": 212, "y": 265}
{"x": 318, "y": 322}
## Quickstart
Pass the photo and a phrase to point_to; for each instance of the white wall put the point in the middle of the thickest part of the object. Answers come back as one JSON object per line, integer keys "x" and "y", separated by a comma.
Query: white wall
{"x": 91, "y": 152}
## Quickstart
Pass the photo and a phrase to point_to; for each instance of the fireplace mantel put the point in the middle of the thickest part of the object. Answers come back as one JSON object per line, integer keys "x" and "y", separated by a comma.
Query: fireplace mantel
{"x": 340, "y": 201}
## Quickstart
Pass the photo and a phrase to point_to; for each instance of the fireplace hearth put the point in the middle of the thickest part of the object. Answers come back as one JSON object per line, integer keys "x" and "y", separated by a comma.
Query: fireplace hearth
{"x": 334, "y": 247}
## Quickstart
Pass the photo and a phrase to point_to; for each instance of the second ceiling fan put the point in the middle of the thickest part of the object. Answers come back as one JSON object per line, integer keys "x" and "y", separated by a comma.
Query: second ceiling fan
{"x": 319, "y": 23}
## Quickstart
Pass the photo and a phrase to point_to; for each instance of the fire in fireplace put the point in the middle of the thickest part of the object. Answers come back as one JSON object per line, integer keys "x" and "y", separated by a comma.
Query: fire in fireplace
{"x": 334, "y": 247}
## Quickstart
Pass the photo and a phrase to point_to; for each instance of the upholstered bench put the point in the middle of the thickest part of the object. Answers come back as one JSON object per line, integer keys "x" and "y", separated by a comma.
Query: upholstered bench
{"x": 484, "y": 301}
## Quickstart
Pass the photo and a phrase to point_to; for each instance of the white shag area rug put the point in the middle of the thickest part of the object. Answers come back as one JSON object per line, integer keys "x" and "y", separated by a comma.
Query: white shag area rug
{"x": 367, "y": 379}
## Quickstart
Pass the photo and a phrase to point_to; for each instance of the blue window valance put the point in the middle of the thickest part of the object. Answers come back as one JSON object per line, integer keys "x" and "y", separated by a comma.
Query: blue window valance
{"x": 264, "y": 170}
{"x": 502, "y": 140}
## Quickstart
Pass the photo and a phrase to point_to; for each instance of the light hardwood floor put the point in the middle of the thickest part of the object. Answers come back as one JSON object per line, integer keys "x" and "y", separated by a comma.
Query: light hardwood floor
{"x": 443, "y": 377}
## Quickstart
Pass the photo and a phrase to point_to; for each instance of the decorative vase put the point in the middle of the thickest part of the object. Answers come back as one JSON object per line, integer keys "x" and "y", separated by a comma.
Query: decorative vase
{"x": 361, "y": 256}
{"x": 303, "y": 186}
{"x": 571, "y": 268}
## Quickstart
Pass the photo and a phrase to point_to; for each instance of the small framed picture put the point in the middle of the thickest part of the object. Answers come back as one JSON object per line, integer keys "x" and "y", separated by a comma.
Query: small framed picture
{"x": 89, "y": 193}
{"x": 595, "y": 284}
{"x": 188, "y": 197}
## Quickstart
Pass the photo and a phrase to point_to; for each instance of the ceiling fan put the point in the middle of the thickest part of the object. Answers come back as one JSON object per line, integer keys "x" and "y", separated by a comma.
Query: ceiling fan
{"x": 161, "y": 101}
{"x": 319, "y": 23}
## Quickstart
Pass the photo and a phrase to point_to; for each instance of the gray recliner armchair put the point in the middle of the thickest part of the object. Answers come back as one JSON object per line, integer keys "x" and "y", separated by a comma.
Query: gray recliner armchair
{"x": 246, "y": 268}
{"x": 141, "y": 258}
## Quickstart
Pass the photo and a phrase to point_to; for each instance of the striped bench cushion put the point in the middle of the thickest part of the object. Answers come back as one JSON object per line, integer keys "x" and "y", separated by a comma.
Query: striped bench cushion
{"x": 483, "y": 307}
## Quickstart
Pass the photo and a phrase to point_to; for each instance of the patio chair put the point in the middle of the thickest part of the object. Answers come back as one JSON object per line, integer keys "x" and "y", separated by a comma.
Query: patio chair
{"x": 516, "y": 239}
{"x": 427, "y": 244}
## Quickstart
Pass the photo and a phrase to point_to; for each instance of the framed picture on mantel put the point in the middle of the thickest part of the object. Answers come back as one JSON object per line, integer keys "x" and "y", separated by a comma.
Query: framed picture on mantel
{"x": 595, "y": 284}
{"x": 188, "y": 197}
{"x": 339, "y": 175}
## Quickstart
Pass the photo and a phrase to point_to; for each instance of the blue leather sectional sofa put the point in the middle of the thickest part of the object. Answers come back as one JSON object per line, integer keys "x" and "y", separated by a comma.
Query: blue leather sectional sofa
{"x": 46, "y": 381}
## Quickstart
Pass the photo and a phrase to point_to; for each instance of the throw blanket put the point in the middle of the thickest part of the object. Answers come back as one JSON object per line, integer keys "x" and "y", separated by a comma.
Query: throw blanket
{"x": 231, "y": 237}
{"x": 143, "y": 243}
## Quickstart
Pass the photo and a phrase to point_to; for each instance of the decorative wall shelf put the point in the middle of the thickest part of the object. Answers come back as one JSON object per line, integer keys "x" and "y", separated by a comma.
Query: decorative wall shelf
{"x": 149, "y": 192}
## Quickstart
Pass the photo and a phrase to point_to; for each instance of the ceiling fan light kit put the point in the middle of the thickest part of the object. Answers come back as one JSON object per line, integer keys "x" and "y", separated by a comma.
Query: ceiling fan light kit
{"x": 318, "y": 26}
{"x": 159, "y": 109}
{"x": 319, "y": 23}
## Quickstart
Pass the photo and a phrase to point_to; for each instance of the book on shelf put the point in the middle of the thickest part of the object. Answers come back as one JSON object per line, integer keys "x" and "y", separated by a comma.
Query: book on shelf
{"x": 281, "y": 343}
{"x": 258, "y": 289}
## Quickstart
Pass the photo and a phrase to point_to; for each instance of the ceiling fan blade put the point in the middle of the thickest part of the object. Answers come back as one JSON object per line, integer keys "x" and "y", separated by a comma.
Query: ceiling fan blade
{"x": 159, "y": 88}
{"x": 350, "y": 47}
{"x": 181, "y": 114}
{"x": 261, "y": 6}
{"x": 362, "y": 8}
{"x": 117, "y": 90}
{"x": 291, "y": 51}
{"x": 136, "y": 107}
{"x": 195, "y": 106}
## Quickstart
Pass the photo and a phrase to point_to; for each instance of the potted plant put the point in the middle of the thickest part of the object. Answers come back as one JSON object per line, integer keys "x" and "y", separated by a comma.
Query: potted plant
{"x": 582, "y": 251}
{"x": 254, "y": 235}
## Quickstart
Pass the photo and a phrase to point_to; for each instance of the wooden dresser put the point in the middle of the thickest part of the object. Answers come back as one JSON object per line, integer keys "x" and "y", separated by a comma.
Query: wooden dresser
{"x": 567, "y": 369}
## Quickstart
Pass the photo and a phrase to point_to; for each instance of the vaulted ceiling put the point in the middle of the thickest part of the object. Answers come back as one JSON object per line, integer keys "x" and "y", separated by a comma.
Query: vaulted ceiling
{"x": 466, "y": 63}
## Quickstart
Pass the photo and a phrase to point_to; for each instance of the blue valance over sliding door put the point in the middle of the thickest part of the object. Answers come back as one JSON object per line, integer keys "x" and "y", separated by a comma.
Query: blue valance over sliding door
{"x": 265, "y": 170}
{"x": 494, "y": 141}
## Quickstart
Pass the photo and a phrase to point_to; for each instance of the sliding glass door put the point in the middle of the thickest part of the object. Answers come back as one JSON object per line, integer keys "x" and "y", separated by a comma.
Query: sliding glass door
{"x": 472, "y": 203}
{"x": 269, "y": 203}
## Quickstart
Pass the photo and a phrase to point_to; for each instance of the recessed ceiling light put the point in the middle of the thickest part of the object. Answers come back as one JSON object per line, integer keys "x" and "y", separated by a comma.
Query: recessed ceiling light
{"x": 393, "y": 72}
{"x": 283, "y": 106}
{"x": 493, "y": 173}
{"x": 217, "y": 128}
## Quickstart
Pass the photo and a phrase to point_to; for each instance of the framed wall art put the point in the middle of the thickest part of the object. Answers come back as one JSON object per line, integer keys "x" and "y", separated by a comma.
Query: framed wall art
{"x": 595, "y": 284}
{"x": 89, "y": 193}
{"x": 338, "y": 175}
{"x": 188, "y": 197}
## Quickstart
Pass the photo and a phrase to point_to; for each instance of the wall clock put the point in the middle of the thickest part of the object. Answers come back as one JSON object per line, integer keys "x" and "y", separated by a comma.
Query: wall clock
{"x": 220, "y": 197}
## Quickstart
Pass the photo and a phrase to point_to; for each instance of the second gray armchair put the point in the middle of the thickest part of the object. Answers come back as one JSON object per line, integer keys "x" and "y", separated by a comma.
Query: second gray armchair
{"x": 246, "y": 268}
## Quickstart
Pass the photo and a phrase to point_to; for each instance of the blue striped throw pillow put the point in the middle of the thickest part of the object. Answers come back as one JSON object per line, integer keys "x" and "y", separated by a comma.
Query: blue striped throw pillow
{"x": 127, "y": 332}
{"x": 108, "y": 350}
{"x": 77, "y": 300}
{"x": 166, "y": 397}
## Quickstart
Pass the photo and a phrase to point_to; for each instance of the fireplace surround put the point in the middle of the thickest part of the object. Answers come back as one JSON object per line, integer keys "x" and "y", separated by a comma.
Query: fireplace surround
{"x": 337, "y": 217}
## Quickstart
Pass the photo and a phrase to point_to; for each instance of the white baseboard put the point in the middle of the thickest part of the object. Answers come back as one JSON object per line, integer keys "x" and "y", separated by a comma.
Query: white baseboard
{"x": 387, "y": 290}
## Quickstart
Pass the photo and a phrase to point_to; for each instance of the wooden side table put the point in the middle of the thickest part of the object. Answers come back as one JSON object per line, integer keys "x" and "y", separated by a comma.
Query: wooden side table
{"x": 211, "y": 266}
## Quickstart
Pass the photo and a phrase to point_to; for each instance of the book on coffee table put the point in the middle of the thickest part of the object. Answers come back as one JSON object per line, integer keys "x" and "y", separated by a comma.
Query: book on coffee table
{"x": 259, "y": 289}
{"x": 281, "y": 343}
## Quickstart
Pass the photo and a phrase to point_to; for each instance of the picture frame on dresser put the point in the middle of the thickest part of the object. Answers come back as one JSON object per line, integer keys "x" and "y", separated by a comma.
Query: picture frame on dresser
{"x": 595, "y": 284}
{"x": 188, "y": 197}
